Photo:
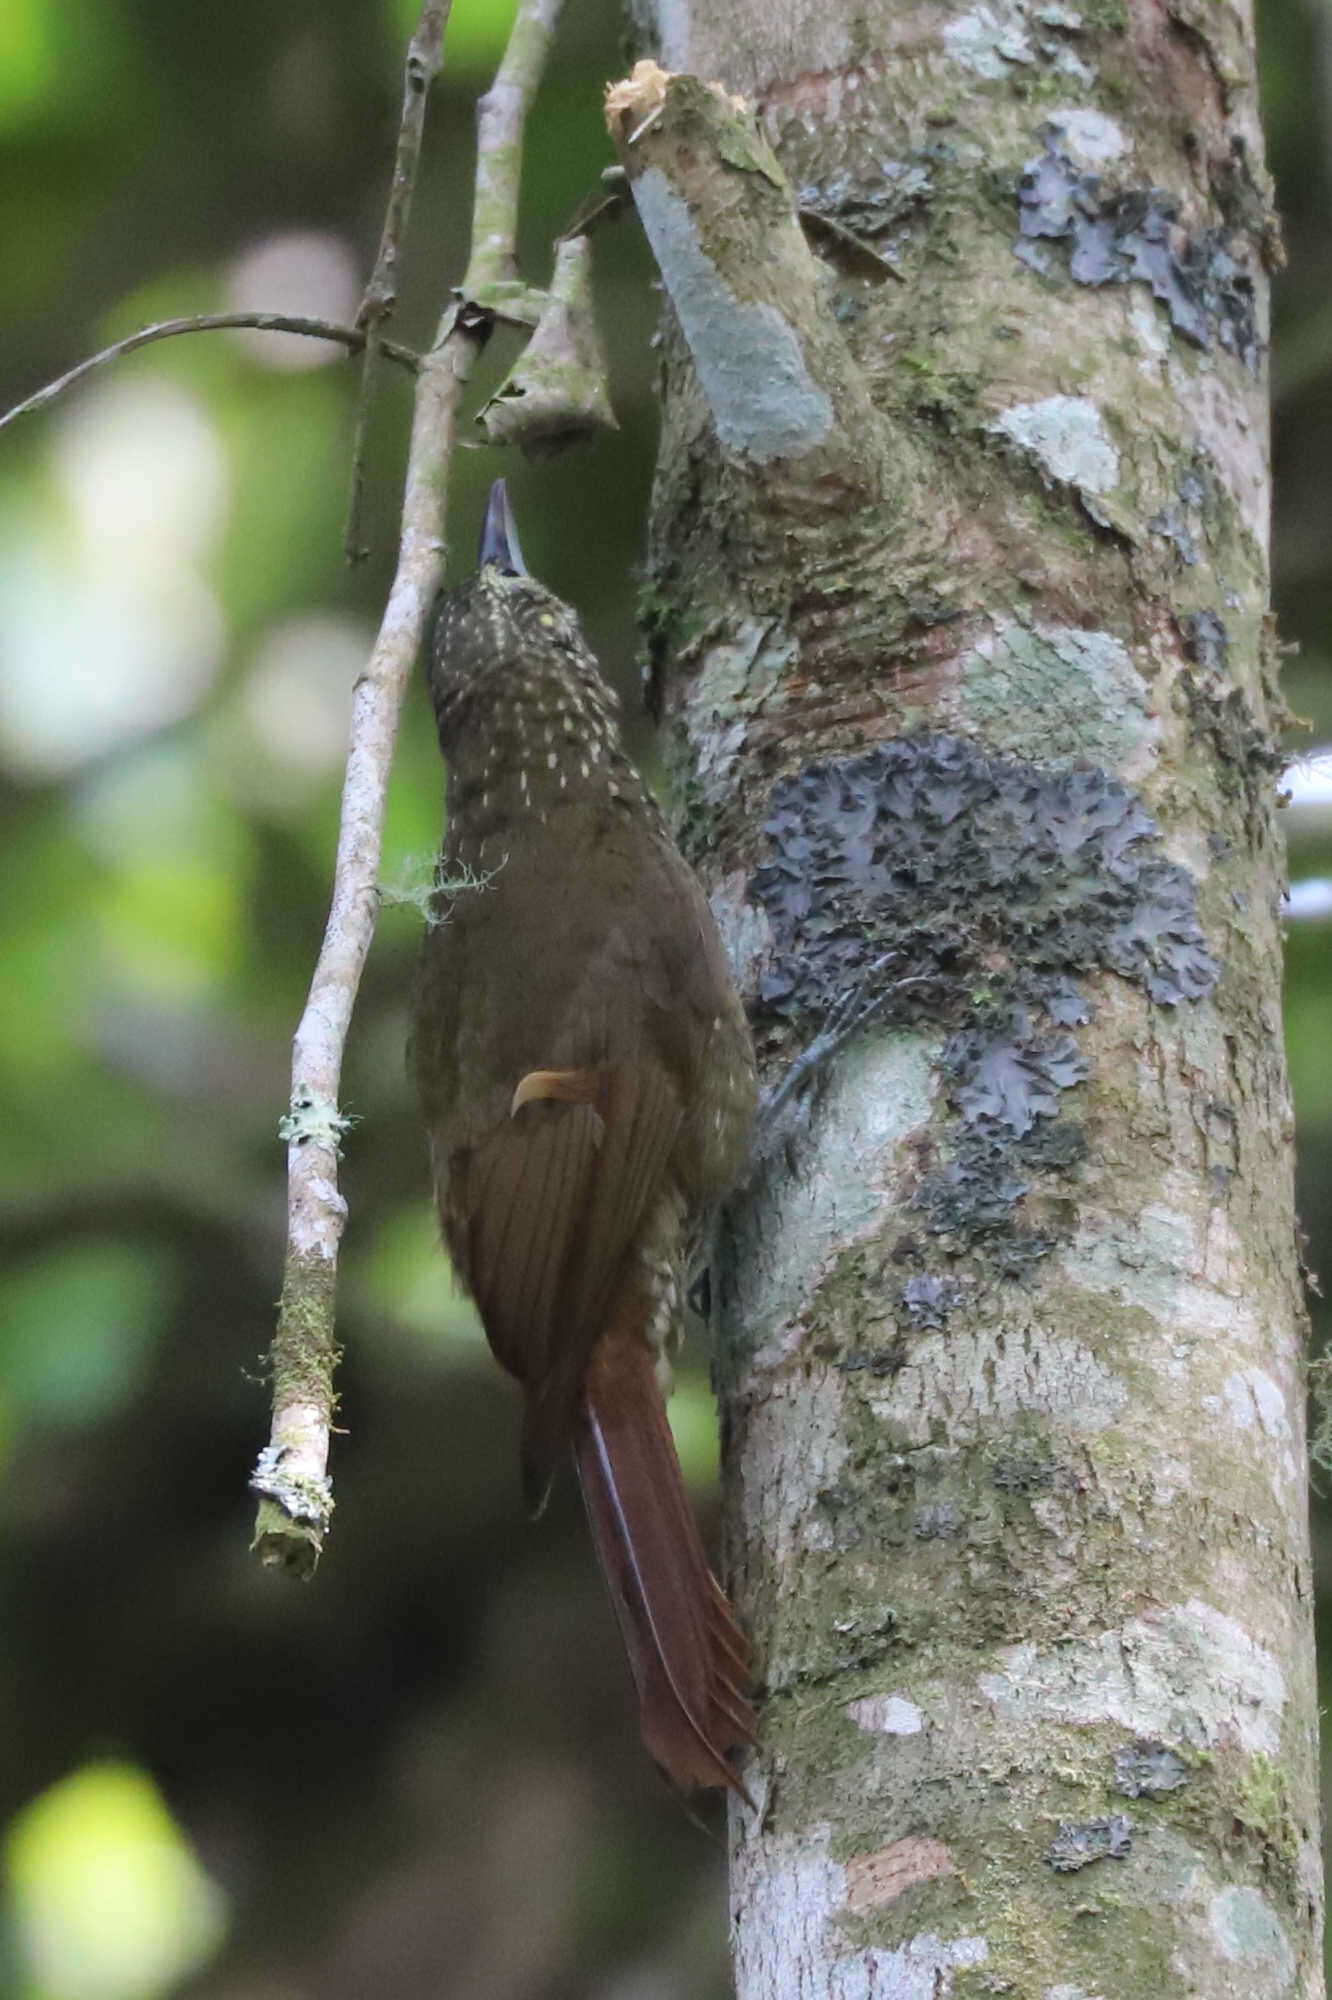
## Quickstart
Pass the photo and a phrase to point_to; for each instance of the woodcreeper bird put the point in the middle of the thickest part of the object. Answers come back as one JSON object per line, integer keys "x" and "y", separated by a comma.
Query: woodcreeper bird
{"x": 587, "y": 1079}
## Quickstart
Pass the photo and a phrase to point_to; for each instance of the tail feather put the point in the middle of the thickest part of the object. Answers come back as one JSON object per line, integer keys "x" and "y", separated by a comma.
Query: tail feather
{"x": 688, "y": 1656}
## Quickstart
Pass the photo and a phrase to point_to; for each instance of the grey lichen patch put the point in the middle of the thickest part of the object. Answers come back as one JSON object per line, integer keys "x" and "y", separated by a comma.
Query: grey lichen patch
{"x": 1092, "y": 138}
{"x": 886, "y": 1714}
{"x": 1136, "y": 234}
{"x": 1080, "y": 1842}
{"x": 929, "y": 1299}
{"x": 989, "y": 40}
{"x": 305, "y": 1498}
{"x": 1001, "y": 40}
{"x": 1075, "y": 694}
{"x": 1187, "y": 1672}
{"x": 315, "y": 1118}
{"x": 1248, "y": 1932}
{"x": 1012, "y": 1080}
{"x": 1148, "y": 1769}
{"x": 763, "y": 398}
{"x": 1023, "y": 1459}
{"x": 1067, "y": 437}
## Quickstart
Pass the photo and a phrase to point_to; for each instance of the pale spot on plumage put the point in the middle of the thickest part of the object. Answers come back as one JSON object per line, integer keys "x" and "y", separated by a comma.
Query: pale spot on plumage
{"x": 551, "y": 760}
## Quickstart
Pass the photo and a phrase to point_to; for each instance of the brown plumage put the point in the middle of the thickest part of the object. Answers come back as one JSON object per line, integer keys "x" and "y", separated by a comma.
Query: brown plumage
{"x": 587, "y": 1080}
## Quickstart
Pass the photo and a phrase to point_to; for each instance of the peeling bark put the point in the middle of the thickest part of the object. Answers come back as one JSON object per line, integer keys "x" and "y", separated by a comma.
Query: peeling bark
{"x": 983, "y": 699}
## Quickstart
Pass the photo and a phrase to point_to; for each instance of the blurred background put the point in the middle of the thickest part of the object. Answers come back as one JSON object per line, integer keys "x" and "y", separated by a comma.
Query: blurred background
{"x": 418, "y": 1775}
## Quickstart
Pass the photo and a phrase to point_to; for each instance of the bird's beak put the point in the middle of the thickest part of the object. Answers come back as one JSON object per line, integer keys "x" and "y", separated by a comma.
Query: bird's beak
{"x": 499, "y": 535}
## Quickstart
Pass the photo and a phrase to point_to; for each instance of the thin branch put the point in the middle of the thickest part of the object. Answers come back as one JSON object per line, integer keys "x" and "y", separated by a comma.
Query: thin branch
{"x": 500, "y": 118}
{"x": 292, "y": 1474}
{"x": 351, "y": 337}
{"x": 425, "y": 53}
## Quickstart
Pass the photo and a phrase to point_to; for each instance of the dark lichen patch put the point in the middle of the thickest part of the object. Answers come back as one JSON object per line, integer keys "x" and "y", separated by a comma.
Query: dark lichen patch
{"x": 976, "y": 887}
{"x": 1005, "y": 1084}
{"x": 1014, "y": 1078}
{"x": 1079, "y": 1843}
{"x": 878, "y": 1361}
{"x": 976, "y": 1203}
{"x": 1147, "y": 1769}
{"x": 967, "y": 891}
{"x": 1021, "y": 1464}
{"x": 1172, "y": 524}
{"x": 1206, "y": 640}
{"x": 1246, "y": 757}
{"x": 1243, "y": 191}
{"x": 875, "y": 206}
{"x": 1197, "y": 517}
{"x": 929, "y": 1299}
{"x": 1115, "y": 237}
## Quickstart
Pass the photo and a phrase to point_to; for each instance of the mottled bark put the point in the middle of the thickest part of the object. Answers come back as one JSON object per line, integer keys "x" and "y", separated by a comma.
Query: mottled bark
{"x": 968, "y": 676}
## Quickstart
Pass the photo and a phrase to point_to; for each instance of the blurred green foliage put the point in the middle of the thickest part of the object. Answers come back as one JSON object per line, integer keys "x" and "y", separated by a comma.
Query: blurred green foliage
{"x": 110, "y": 1903}
{"x": 331, "y": 1791}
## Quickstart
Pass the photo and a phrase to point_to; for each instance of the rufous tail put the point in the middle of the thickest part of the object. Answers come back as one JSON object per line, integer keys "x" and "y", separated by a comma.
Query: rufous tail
{"x": 689, "y": 1657}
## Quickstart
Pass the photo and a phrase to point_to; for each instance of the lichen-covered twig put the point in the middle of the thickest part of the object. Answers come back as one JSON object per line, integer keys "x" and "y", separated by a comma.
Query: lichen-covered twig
{"x": 353, "y": 338}
{"x": 557, "y": 396}
{"x": 292, "y": 1475}
{"x": 425, "y": 52}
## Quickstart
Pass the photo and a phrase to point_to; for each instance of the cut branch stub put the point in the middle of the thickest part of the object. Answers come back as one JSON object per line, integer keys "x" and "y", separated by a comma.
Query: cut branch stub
{"x": 780, "y": 381}
{"x": 557, "y": 397}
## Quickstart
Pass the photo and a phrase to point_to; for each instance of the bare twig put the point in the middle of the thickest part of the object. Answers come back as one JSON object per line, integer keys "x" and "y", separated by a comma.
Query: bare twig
{"x": 292, "y": 1475}
{"x": 353, "y": 338}
{"x": 500, "y": 118}
{"x": 425, "y": 52}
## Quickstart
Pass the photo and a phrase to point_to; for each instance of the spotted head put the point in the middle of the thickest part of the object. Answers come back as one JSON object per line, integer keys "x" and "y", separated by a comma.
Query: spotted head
{"x": 498, "y": 629}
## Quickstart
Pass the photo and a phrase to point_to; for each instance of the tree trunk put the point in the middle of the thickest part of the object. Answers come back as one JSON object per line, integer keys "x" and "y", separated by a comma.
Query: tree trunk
{"x": 958, "y": 610}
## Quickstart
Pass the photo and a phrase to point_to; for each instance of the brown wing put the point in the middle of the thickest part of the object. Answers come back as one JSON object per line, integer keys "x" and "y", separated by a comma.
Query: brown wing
{"x": 541, "y": 1216}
